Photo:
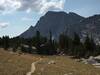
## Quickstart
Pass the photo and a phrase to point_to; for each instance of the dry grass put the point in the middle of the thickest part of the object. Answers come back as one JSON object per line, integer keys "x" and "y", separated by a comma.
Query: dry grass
{"x": 15, "y": 64}
{"x": 64, "y": 65}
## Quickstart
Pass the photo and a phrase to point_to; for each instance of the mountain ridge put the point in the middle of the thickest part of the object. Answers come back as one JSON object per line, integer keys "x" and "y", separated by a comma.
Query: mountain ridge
{"x": 51, "y": 21}
{"x": 59, "y": 22}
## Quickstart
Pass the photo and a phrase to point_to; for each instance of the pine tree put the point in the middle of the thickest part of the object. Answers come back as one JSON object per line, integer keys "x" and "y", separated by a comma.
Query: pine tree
{"x": 64, "y": 43}
{"x": 6, "y": 42}
{"x": 46, "y": 47}
{"x": 0, "y": 42}
{"x": 15, "y": 43}
{"x": 38, "y": 37}
{"x": 76, "y": 40}
{"x": 51, "y": 44}
{"x": 90, "y": 46}
{"x": 93, "y": 47}
{"x": 76, "y": 45}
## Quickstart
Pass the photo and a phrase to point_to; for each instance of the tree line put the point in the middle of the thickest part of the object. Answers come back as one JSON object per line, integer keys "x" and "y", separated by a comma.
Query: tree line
{"x": 49, "y": 46}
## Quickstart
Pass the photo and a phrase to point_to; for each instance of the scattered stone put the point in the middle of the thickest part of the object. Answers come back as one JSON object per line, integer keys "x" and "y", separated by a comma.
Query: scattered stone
{"x": 91, "y": 60}
{"x": 95, "y": 61}
{"x": 97, "y": 58}
{"x": 84, "y": 61}
{"x": 97, "y": 66}
{"x": 65, "y": 74}
{"x": 70, "y": 73}
{"x": 42, "y": 69}
{"x": 9, "y": 60}
{"x": 11, "y": 52}
{"x": 52, "y": 62}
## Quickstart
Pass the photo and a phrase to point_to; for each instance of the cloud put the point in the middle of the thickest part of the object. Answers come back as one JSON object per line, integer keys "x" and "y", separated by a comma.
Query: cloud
{"x": 3, "y": 24}
{"x": 57, "y": 5}
{"x": 7, "y": 6}
{"x": 41, "y": 6}
{"x": 28, "y": 10}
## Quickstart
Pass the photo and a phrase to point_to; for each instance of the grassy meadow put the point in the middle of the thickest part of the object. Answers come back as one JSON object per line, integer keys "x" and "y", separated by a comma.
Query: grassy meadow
{"x": 19, "y": 64}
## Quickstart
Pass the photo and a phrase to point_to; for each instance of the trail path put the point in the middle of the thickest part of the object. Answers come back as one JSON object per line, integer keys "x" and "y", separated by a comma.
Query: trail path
{"x": 33, "y": 68}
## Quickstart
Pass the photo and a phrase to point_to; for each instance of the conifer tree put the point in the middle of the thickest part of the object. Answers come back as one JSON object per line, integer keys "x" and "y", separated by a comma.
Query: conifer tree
{"x": 64, "y": 43}
{"x": 90, "y": 46}
{"x": 6, "y": 41}
{"x": 38, "y": 41}
{"x": 76, "y": 44}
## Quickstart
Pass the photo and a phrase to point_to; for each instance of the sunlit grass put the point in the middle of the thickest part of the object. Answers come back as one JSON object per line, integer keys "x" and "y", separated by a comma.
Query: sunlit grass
{"x": 20, "y": 64}
{"x": 15, "y": 64}
{"x": 64, "y": 65}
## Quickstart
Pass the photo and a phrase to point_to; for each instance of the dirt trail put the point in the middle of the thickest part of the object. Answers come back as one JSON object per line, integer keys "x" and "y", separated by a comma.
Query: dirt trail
{"x": 33, "y": 68}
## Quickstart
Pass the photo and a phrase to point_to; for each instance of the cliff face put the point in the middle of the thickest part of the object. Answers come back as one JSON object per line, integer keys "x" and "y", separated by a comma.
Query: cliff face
{"x": 59, "y": 22}
{"x": 56, "y": 22}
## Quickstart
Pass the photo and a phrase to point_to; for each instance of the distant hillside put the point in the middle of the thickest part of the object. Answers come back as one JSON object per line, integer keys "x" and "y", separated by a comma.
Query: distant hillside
{"x": 59, "y": 22}
{"x": 90, "y": 26}
{"x": 56, "y": 22}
